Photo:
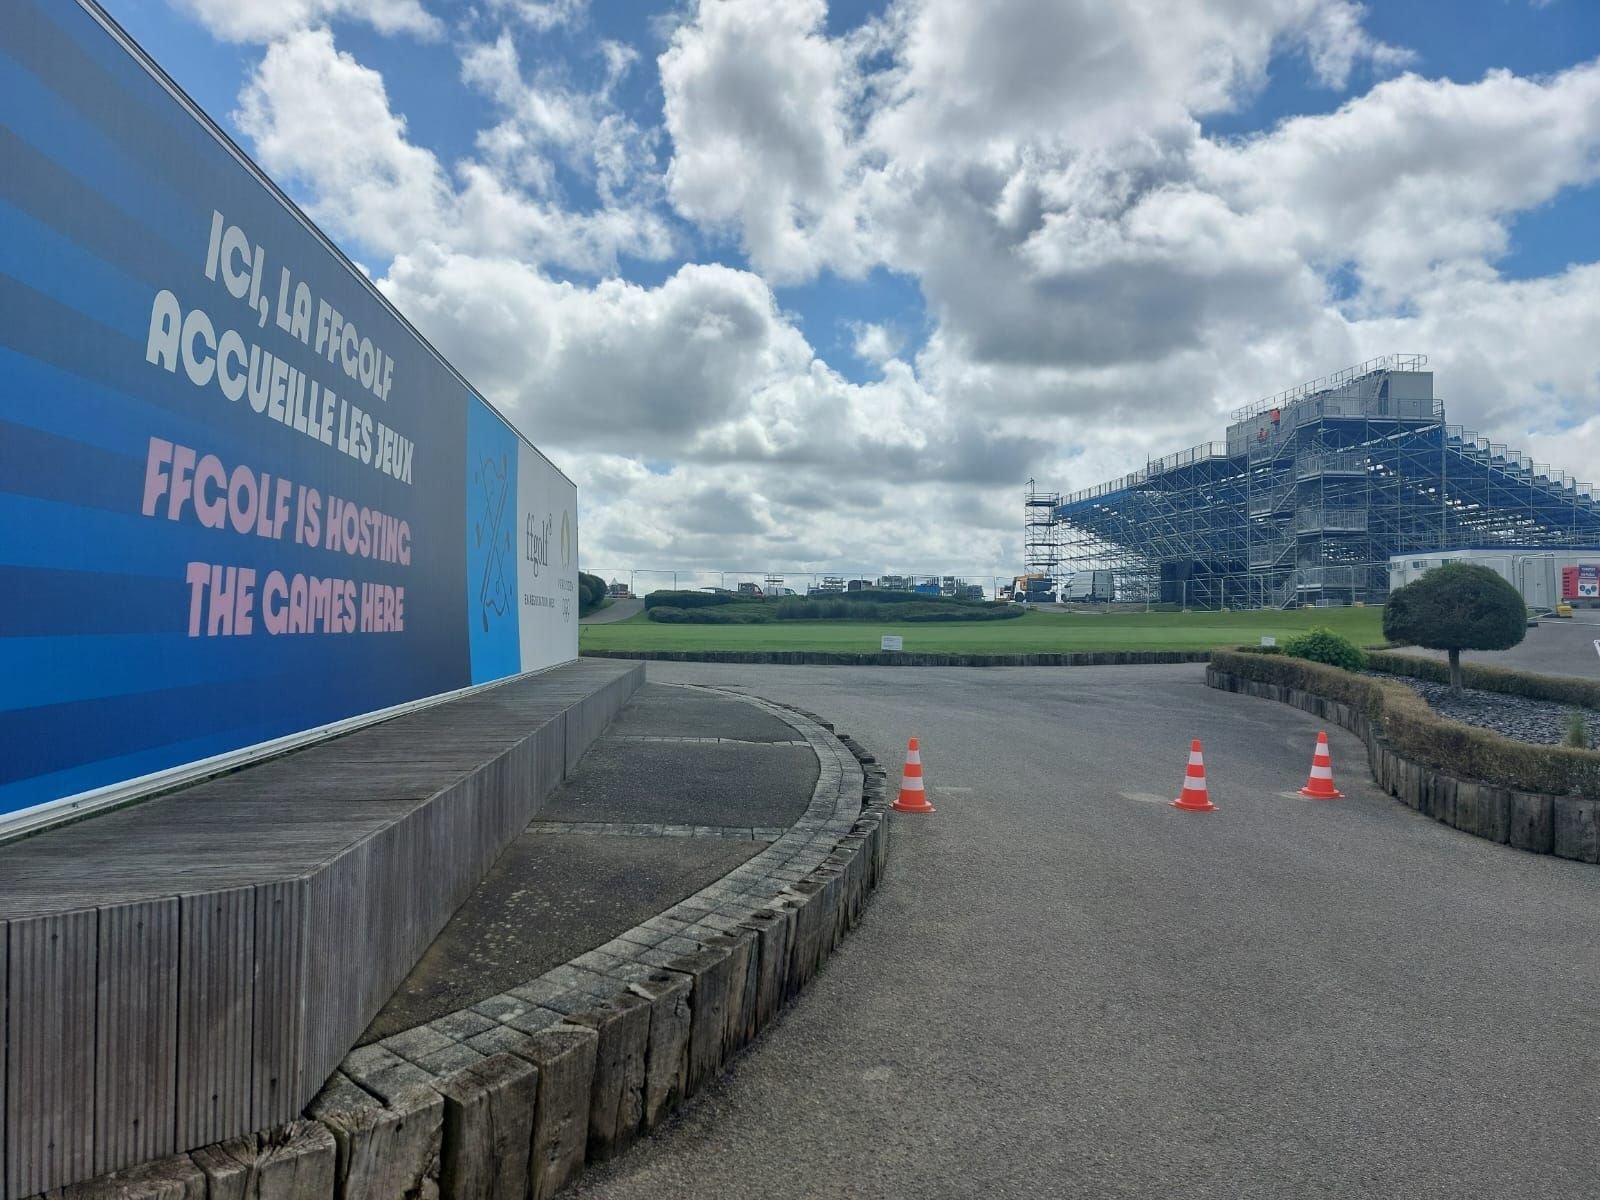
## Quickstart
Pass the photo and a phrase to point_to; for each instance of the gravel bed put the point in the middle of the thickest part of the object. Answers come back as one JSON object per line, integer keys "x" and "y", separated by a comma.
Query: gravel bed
{"x": 1537, "y": 721}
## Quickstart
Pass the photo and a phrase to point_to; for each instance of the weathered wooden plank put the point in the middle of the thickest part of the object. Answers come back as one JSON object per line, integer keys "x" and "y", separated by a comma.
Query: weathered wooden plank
{"x": 667, "y": 1059}
{"x": 174, "y": 1177}
{"x": 711, "y": 970}
{"x": 564, "y": 1055}
{"x": 771, "y": 967}
{"x": 617, "y": 1096}
{"x": 386, "y": 1148}
{"x": 136, "y": 1036}
{"x": 276, "y": 1088}
{"x": 488, "y": 1129}
{"x": 216, "y": 1001}
{"x": 293, "y": 1162}
{"x": 50, "y": 1061}
{"x": 549, "y": 748}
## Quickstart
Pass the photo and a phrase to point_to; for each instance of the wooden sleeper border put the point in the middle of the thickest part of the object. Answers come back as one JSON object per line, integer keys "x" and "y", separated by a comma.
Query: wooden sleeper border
{"x": 571, "y": 1068}
{"x": 1563, "y": 826}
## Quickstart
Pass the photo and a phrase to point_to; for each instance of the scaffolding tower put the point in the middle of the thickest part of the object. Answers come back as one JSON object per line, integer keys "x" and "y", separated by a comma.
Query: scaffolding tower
{"x": 1042, "y": 536}
{"x": 1310, "y": 493}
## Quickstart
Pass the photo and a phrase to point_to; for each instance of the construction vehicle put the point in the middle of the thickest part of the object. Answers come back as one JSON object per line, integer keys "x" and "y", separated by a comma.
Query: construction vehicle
{"x": 1030, "y": 589}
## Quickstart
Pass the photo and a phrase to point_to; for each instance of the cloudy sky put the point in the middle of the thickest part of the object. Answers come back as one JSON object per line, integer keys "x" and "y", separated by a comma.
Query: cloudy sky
{"x": 809, "y": 286}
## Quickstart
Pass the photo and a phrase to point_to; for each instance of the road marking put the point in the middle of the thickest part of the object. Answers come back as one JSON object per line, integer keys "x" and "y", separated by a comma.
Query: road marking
{"x": 1145, "y": 797}
{"x": 954, "y": 790}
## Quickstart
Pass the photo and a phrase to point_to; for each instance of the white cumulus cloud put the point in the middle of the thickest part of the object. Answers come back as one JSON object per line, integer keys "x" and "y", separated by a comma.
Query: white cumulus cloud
{"x": 264, "y": 20}
{"x": 1103, "y": 278}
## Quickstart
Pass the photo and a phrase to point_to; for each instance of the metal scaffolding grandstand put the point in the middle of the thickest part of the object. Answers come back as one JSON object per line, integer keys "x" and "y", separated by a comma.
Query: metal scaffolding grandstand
{"x": 1307, "y": 497}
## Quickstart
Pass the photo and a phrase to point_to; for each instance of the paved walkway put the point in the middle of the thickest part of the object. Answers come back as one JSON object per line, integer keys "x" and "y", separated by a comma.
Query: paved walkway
{"x": 617, "y": 610}
{"x": 1068, "y": 988}
{"x": 684, "y": 787}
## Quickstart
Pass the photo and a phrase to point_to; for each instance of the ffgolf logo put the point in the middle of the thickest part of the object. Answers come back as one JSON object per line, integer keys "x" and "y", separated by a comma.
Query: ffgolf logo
{"x": 537, "y": 542}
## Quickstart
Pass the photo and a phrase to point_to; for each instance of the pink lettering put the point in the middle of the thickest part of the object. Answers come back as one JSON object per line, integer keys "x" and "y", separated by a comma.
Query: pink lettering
{"x": 242, "y": 483}
{"x": 182, "y": 481}
{"x": 275, "y": 603}
{"x": 197, "y": 576}
{"x": 210, "y": 492}
{"x": 155, "y": 480}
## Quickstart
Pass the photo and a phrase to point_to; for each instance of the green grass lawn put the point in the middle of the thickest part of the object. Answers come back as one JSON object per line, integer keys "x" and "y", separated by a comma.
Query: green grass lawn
{"x": 1035, "y": 633}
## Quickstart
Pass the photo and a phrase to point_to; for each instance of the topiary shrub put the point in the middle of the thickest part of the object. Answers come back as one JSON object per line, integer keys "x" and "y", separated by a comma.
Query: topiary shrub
{"x": 1456, "y": 607}
{"x": 1325, "y": 646}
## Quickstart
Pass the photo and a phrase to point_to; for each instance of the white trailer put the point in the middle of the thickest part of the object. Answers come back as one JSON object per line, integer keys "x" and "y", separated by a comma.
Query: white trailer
{"x": 1534, "y": 572}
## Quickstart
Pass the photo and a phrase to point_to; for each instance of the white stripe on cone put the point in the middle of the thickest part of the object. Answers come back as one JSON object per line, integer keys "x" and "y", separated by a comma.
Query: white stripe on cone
{"x": 912, "y": 783}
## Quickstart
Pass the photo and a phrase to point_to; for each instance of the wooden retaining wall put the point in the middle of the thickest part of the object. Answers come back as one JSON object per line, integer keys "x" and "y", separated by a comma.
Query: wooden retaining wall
{"x": 1565, "y": 826}
{"x": 576, "y": 1065}
{"x": 193, "y": 968}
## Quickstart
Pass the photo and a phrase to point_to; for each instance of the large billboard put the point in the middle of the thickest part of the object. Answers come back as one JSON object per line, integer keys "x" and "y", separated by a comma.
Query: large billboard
{"x": 240, "y": 498}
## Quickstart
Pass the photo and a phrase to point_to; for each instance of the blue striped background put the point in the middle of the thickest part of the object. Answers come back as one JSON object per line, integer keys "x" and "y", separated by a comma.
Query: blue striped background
{"x": 106, "y": 192}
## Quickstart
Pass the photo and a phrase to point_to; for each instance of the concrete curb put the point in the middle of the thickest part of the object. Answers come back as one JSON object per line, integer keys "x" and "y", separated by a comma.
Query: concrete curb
{"x": 512, "y": 1096}
{"x": 1564, "y": 826}
{"x": 820, "y": 658}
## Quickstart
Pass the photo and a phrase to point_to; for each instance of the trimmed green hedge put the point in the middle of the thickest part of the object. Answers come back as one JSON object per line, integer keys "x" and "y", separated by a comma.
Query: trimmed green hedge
{"x": 998, "y": 612}
{"x": 1412, "y": 729}
{"x": 745, "y": 614}
{"x": 924, "y": 608}
{"x": 671, "y": 599}
{"x": 880, "y": 596}
{"x": 1555, "y": 688}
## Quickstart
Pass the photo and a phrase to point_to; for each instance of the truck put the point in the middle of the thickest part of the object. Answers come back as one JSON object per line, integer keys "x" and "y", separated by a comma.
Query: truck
{"x": 1031, "y": 589}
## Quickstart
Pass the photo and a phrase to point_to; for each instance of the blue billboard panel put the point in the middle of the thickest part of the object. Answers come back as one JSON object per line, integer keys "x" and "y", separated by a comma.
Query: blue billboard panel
{"x": 491, "y": 535}
{"x": 237, "y": 500}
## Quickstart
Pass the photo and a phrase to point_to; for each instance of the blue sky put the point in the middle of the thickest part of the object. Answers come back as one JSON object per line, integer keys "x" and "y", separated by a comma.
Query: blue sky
{"x": 866, "y": 251}
{"x": 1454, "y": 39}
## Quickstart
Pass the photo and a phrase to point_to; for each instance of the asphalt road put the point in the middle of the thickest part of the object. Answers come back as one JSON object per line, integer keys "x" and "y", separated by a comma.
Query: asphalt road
{"x": 1068, "y": 988}
{"x": 617, "y": 610}
{"x": 1556, "y": 646}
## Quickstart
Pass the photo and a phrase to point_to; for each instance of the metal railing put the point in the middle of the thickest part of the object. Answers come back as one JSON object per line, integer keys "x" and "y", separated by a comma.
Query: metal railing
{"x": 1183, "y": 458}
{"x": 1384, "y": 362}
{"x": 1341, "y": 462}
{"x": 1334, "y": 520}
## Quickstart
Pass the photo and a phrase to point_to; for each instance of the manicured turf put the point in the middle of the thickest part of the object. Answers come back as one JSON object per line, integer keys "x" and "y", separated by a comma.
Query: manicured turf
{"x": 1037, "y": 632}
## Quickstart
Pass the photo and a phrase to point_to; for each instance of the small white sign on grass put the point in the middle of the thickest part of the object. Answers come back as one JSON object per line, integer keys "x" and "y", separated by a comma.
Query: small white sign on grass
{"x": 1269, "y": 641}
{"x": 892, "y": 641}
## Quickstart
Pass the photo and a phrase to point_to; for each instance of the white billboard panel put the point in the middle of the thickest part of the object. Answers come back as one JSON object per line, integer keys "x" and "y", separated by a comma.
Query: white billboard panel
{"x": 547, "y": 565}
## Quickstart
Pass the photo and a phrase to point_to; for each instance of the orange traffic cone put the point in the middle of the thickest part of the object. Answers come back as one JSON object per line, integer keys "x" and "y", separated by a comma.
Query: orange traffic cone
{"x": 1193, "y": 798}
{"x": 912, "y": 798}
{"x": 1320, "y": 785}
